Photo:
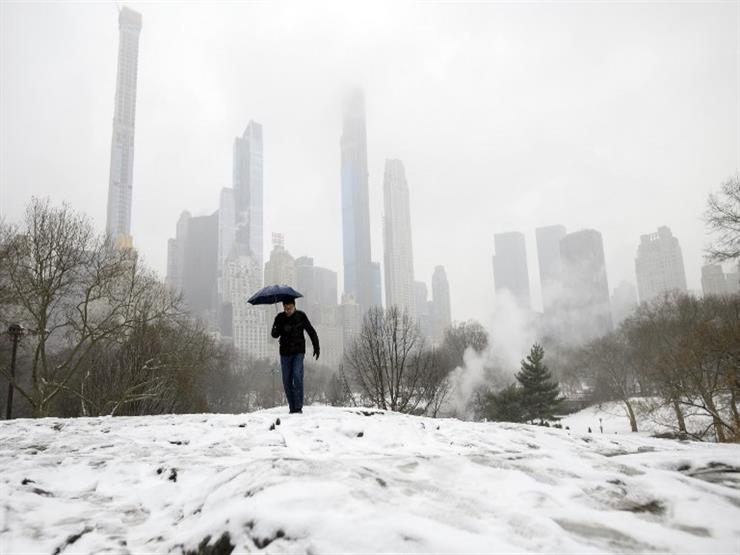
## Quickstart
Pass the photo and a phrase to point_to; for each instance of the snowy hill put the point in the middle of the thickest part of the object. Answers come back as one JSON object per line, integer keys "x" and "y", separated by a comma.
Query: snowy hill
{"x": 653, "y": 417}
{"x": 355, "y": 480}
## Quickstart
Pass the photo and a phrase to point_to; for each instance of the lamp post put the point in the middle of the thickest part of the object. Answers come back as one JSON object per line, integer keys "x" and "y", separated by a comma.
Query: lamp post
{"x": 15, "y": 331}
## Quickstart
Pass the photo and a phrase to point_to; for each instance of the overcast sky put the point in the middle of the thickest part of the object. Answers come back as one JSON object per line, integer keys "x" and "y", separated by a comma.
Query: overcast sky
{"x": 616, "y": 116}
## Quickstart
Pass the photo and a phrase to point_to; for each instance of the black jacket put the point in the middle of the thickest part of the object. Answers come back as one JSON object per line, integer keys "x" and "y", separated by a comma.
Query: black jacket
{"x": 290, "y": 331}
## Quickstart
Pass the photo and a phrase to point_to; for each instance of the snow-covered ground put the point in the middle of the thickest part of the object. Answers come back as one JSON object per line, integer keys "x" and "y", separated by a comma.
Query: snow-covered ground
{"x": 652, "y": 416}
{"x": 343, "y": 480}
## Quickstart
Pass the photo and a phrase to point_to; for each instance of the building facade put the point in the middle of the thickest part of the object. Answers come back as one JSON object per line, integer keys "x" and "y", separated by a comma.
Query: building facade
{"x": 623, "y": 301}
{"x": 280, "y": 269}
{"x": 398, "y": 251}
{"x": 350, "y": 320}
{"x": 358, "y": 273}
{"x": 442, "y": 308}
{"x": 192, "y": 263}
{"x": 510, "y": 271}
{"x": 250, "y": 325}
{"x": 325, "y": 284}
{"x": 248, "y": 190}
{"x": 226, "y": 235}
{"x": 714, "y": 281}
{"x": 584, "y": 308}
{"x": 548, "y": 259}
{"x": 120, "y": 181}
{"x": 659, "y": 265}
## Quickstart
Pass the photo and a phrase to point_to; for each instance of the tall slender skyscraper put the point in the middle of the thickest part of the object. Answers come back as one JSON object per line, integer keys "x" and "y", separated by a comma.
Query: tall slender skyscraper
{"x": 399, "y": 260}
{"x": 248, "y": 205}
{"x": 510, "y": 266}
{"x": 120, "y": 182}
{"x": 358, "y": 273}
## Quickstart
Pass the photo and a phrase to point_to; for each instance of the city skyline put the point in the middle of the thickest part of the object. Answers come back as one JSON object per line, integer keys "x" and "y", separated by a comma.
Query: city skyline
{"x": 191, "y": 102}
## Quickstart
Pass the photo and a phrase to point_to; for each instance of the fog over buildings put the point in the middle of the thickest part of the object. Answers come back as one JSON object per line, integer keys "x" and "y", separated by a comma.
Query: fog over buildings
{"x": 548, "y": 260}
{"x": 584, "y": 300}
{"x": 612, "y": 117}
{"x": 510, "y": 272}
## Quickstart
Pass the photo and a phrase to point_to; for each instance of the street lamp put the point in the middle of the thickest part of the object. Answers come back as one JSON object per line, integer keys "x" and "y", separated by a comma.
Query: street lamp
{"x": 15, "y": 331}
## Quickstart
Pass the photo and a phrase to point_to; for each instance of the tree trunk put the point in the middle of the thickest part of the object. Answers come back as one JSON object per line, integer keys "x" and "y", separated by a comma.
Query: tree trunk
{"x": 631, "y": 414}
{"x": 679, "y": 416}
{"x": 733, "y": 408}
{"x": 716, "y": 420}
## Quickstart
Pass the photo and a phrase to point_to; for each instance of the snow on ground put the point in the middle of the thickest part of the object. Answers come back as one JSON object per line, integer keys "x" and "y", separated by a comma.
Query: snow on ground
{"x": 345, "y": 480}
{"x": 652, "y": 417}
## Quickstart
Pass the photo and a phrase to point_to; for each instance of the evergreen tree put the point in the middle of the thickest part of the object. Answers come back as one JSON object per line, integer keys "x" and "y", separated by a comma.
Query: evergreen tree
{"x": 506, "y": 405}
{"x": 540, "y": 393}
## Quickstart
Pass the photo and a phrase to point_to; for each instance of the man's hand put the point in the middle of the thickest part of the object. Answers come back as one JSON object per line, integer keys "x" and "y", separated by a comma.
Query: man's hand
{"x": 316, "y": 354}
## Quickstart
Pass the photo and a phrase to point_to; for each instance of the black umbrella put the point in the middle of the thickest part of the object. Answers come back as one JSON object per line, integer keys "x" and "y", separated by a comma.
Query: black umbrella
{"x": 272, "y": 294}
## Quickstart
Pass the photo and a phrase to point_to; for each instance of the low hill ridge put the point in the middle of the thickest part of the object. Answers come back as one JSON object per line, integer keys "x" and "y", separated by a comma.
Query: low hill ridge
{"x": 357, "y": 480}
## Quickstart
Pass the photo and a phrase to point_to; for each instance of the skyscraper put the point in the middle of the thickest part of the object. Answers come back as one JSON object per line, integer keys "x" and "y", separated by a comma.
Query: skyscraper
{"x": 714, "y": 280}
{"x": 325, "y": 283}
{"x": 305, "y": 277}
{"x": 399, "y": 264}
{"x": 120, "y": 181}
{"x": 226, "y": 235}
{"x": 176, "y": 253}
{"x": 548, "y": 258}
{"x": 249, "y": 324}
{"x": 733, "y": 280}
{"x": 424, "y": 309}
{"x": 376, "y": 285}
{"x": 350, "y": 320}
{"x": 624, "y": 301}
{"x": 358, "y": 273}
{"x": 192, "y": 263}
{"x": 305, "y": 282}
{"x": 584, "y": 304}
{"x": 441, "y": 302}
{"x": 659, "y": 265}
{"x": 280, "y": 268}
{"x": 248, "y": 201}
{"x": 510, "y": 266}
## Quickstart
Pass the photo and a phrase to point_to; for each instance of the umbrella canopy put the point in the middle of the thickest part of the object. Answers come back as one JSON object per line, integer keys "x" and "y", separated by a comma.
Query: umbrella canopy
{"x": 274, "y": 294}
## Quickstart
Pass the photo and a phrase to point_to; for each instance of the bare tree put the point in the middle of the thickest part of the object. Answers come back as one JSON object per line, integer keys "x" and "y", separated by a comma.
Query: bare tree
{"x": 74, "y": 290}
{"x": 723, "y": 218}
{"x": 458, "y": 338}
{"x": 692, "y": 352}
{"x": 390, "y": 365}
{"x": 607, "y": 361}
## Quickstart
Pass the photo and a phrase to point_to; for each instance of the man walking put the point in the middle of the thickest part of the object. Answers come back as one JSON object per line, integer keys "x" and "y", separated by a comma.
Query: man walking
{"x": 289, "y": 326}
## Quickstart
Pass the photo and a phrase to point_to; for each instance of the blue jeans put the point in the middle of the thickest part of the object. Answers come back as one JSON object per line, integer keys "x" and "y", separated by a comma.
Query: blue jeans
{"x": 292, "y": 367}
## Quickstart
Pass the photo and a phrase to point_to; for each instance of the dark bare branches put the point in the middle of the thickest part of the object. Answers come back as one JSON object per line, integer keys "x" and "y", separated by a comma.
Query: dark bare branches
{"x": 723, "y": 219}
